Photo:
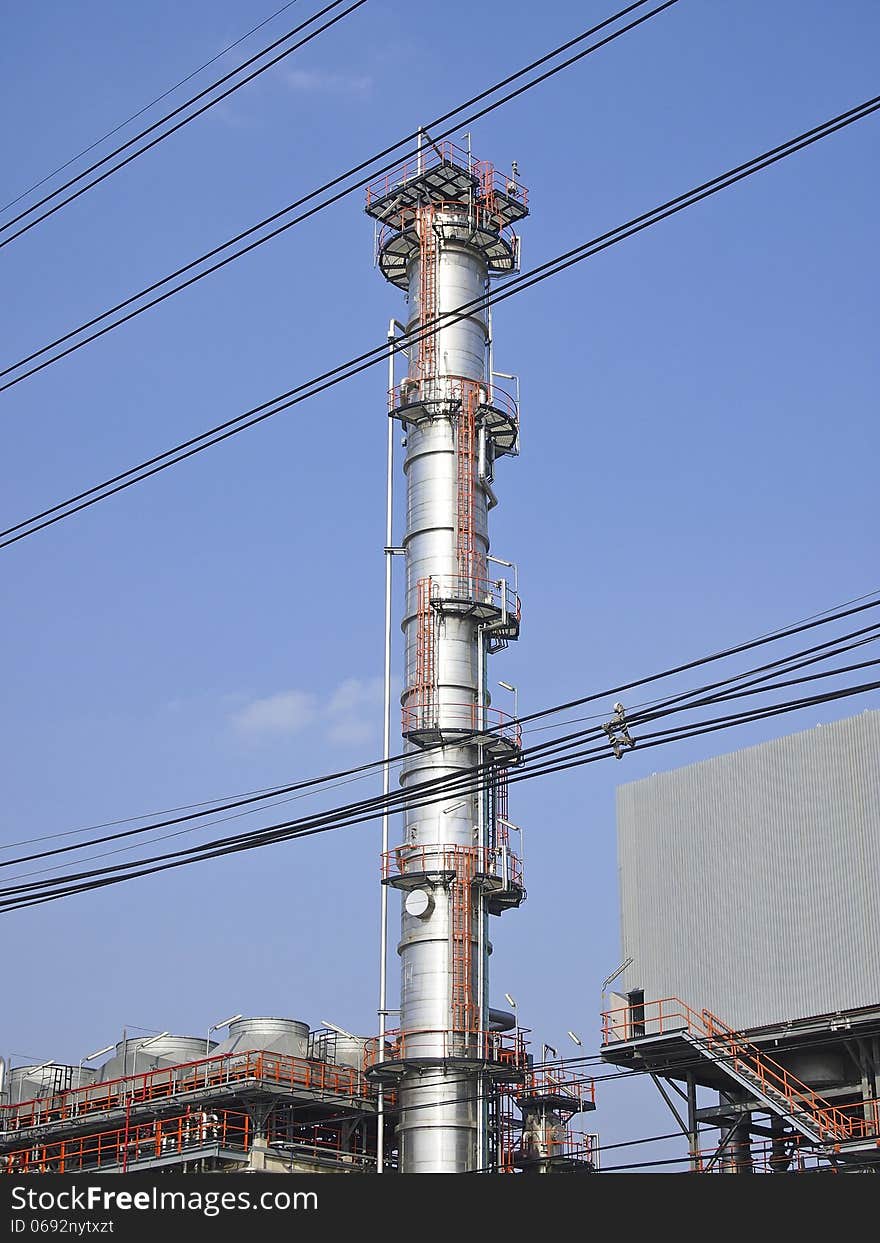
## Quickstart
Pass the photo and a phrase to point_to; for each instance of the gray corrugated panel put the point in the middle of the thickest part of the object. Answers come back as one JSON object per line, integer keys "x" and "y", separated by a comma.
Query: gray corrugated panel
{"x": 750, "y": 883}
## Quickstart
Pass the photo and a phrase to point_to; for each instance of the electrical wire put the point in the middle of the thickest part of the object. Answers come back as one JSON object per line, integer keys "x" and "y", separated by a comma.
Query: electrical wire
{"x": 257, "y": 801}
{"x": 371, "y": 358}
{"x": 140, "y": 112}
{"x": 197, "y": 828}
{"x": 827, "y": 615}
{"x": 772, "y": 669}
{"x": 370, "y": 163}
{"x": 19, "y": 896}
{"x": 56, "y": 207}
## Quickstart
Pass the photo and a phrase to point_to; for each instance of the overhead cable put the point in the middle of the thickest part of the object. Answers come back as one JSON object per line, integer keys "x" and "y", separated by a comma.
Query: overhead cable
{"x": 346, "y": 371}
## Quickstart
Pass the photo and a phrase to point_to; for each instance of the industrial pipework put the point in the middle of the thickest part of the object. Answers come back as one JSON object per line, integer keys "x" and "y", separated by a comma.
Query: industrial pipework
{"x": 445, "y": 228}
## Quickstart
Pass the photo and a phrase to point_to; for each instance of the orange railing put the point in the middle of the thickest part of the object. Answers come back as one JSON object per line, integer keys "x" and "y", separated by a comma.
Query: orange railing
{"x": 559, "y": 1143}
{"x": 670, "y": 1014}
{"x": 489, "y": 179}
{"x": 864, "y": 1119}
{"x": 504, "y": 1048}
{"x": 466, "y": 718}
{"x": 230, "y": 1068}
{"x": 412, "y": 860}
{"x": 553, "y": 1080}
{"x": 126, "y": 1146}
{"x": 452, "y": 388}
{"x": 454, "y": 215}
{"x": 462, "y": 588}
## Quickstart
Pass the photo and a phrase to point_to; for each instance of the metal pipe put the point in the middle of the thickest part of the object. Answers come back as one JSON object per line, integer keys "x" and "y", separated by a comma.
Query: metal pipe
{"x": 501, "y": 1020}
{"x": 386, "y": 750}
{"x": 482, "y": 955}
{"x": 490, "y": 345}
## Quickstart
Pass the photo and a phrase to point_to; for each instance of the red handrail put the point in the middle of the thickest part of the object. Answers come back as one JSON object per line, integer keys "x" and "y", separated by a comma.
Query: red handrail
{"x": 672, "y": 1014}
{"x": 167, "y": 1081}
{"x": 125, "y": 1145}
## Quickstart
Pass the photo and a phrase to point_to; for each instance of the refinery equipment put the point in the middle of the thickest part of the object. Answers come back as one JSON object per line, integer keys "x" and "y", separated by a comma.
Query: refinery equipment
{"x": 750, "y": 919}
{"x": 452, "y": 1088}
{"x": 445, "y": 228}
{"x": 273, "y": 1097}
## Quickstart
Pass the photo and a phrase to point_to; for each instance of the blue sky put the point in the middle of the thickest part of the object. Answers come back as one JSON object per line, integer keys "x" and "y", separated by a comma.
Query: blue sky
{"x": 699, "y": 465}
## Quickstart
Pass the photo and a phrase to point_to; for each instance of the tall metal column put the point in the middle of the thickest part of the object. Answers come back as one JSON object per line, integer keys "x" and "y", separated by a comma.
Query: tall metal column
{"x": 446, "y": 229}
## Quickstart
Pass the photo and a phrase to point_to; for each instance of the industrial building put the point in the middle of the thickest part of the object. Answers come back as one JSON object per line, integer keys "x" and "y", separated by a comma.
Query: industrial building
{"x": 273, "y": 1097}
{"x": 750, "y": 922}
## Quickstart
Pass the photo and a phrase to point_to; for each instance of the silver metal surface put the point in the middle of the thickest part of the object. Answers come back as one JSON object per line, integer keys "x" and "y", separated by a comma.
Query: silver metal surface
{"x": 342, "y": 1050}
{"x": 131, "y": 1058}
{"x": 439, "y": 1119}
{"x": 289, "y": 1037}
{"x": 28, "y": 1083}
{"x": 439, "y": 1049}
{"x": 750, "y": 883}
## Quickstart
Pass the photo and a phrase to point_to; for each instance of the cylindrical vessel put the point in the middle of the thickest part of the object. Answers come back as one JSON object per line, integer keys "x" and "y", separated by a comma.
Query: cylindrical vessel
{"x": 343, "y": 1050}
{"x": 28, "y": 1083}
{"x": 139, "y": 1054}
{"x": 445, "y": 226}
{"x": 287, "y": 1037}
{"x": 438, "y": 1119}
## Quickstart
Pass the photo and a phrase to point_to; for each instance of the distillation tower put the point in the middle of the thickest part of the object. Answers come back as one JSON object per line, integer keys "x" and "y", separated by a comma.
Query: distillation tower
{"x": 445, "y": 229}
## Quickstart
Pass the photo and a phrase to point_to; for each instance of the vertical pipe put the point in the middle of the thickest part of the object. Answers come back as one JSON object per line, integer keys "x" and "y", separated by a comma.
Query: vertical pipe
{"x": 693, "y": 1140}
{"x": 482, "y": 973}
{"x": 490, "y": 346}
{"x": 386, "y": 750}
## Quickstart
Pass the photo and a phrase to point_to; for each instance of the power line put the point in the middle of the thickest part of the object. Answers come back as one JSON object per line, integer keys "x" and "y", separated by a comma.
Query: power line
{"x": 140, "y": 112}
{"x": 257, "y": 799}
{"x": 370, "y": 358}
{"x": 56, "y": 207}
{"x": 19, "y": 896}
{"x": 784, "y": 661}
{"x": 826, "y": 615}
{"x": 738, "y": 649}
{"x": 368, "y": 164}
{"x": 792, "y": 661}
{"x": 164, "y": 837}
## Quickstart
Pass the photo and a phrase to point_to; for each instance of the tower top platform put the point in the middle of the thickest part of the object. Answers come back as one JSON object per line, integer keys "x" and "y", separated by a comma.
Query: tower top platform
{"x": 442, "y": 174}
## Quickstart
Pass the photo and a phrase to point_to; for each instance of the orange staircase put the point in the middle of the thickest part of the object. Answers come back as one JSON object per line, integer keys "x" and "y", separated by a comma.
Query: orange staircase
{"x": 776, "y": 1088}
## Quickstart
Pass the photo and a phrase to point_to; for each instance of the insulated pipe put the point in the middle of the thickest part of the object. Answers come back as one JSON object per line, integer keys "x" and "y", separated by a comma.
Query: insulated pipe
{"x": 501, "y": 1020}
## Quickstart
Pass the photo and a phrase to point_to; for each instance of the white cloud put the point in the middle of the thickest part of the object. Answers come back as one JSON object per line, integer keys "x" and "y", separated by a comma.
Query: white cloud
{"x": 352, "y": 732}
{"x": 284, "y": 713}
{"x": 315, "y": 81}
{"x": 350, "y": 716}
{"x": 355, "y": 693}
{"x": 354, "y": 711}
